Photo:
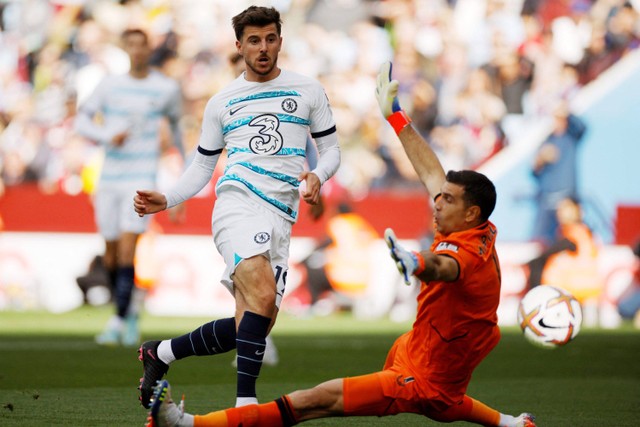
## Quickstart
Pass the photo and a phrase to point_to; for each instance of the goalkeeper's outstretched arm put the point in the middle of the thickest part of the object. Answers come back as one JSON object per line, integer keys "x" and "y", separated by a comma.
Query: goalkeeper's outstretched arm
{"x": 422, "y": 157}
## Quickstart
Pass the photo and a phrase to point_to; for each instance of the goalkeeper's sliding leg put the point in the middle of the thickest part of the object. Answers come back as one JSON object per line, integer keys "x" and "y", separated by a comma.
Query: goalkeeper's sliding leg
{"x": 378, "y": 394}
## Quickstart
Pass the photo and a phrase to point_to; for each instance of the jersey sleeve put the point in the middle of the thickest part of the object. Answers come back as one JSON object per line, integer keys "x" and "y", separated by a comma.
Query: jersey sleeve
{"x": 174, "y": 112}
{"x": 322, "y": 121}
{"x": 211, "y": 136}
{"x": 84, "y": 123}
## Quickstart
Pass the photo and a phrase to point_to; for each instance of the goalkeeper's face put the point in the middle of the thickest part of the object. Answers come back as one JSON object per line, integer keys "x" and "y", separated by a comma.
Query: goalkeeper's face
{"x": 451, "y": 213}
{"x": 260, "y": 47}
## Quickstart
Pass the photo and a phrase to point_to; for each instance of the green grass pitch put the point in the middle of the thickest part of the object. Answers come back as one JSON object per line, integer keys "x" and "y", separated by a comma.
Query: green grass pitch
{"x": 52, "y": 373}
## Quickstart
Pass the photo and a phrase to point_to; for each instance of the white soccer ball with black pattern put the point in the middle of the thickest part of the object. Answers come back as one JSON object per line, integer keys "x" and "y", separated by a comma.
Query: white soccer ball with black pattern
{"x": 549, "y": 317}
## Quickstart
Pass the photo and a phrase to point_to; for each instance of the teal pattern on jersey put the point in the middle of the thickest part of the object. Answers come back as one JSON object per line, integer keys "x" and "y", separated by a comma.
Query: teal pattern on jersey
{"x": 284, "y": 118}
{"x": 263, "y": 95}
{"x": 278, "y": 204}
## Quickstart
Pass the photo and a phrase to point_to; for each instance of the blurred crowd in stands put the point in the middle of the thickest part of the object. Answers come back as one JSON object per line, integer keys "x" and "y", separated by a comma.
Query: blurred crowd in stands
{"x": 471, "y": 72}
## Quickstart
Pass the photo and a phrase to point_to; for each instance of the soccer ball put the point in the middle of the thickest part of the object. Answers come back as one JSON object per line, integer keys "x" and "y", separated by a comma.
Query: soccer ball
{"x": 549, "y": 317}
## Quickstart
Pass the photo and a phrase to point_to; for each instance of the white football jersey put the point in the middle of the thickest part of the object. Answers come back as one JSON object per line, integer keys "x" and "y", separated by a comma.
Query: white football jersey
{"x": 264, "y": 127}
{"x": 135, "y": 106}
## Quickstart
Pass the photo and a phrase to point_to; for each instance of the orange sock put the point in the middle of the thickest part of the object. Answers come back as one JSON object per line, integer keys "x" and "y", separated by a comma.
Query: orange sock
{"x": 470, "y": 410}
{"x": 218, "y": 418}
{"x": 274, "y": 414}
{"x": 482, "y": 414}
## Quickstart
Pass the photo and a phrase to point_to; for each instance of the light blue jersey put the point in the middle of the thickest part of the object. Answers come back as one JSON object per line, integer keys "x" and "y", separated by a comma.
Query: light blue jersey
{"x": 264, "y": 127}
{"x": 136, "y": 106}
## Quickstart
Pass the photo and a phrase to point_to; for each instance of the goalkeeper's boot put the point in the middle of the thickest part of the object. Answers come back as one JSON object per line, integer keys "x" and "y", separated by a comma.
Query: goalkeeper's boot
{"x": 164, "y": 412}
{"x": 525, "y": 420}
{"x": 154, "y": 369}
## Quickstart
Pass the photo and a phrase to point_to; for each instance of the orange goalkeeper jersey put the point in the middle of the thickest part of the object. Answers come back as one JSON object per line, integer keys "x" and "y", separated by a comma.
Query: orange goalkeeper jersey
{"x": 456, "y": 323}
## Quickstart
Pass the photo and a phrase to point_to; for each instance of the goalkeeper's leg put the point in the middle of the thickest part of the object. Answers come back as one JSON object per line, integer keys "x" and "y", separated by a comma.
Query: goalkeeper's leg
{"x": 357, "y": 396}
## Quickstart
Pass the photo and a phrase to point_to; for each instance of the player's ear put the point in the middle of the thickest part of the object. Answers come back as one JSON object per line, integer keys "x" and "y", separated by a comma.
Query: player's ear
{"x": 473, "y": 213}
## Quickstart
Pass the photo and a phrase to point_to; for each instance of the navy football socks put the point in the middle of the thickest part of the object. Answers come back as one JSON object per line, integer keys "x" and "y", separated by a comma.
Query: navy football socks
{"x": 250, "y": 345}
{"x": 214, "y": 337}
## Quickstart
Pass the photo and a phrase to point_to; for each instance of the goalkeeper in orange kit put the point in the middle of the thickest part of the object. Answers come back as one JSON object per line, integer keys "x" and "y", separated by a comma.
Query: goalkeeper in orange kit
{"x": 428, "y": 369}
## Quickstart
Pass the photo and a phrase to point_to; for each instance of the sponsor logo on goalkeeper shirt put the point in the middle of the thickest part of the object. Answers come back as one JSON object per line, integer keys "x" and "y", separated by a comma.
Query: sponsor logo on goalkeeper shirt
{"x": 446, "y": 246}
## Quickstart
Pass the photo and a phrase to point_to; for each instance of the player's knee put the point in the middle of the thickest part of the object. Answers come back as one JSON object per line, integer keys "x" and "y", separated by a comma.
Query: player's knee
{"x": 264, "y": 299}
{"x": 255, "y": 281}
{"x": 257, "y": 299}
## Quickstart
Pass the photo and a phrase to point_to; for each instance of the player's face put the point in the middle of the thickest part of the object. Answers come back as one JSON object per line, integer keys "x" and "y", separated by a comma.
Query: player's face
{"x": 260, "y": 47}
{"x": 139, "y": 51}
{"x": 451, "y": 213}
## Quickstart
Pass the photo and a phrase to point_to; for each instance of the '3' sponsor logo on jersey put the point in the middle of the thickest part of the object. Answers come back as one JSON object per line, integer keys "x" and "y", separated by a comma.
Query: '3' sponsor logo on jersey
{"x": 269, "y": 140}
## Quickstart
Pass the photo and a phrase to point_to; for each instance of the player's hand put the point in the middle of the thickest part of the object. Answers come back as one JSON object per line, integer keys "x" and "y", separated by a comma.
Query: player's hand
{"x": 387, "y": 91}
{"x": 406, "y": 261}
{"x": 316, "y": 211}
{"x": 149, "y": 202}
{"x": 309, "y": 187}
{"x": 119, "y": 138}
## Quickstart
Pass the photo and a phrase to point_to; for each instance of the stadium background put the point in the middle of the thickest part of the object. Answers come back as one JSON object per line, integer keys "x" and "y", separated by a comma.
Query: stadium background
{"x": 54, "y": 51}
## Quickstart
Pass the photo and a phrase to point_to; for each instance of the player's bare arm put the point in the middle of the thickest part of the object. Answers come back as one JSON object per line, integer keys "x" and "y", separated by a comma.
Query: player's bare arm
{"x": 438, "y": 267}
{"x": 425, "y": 265}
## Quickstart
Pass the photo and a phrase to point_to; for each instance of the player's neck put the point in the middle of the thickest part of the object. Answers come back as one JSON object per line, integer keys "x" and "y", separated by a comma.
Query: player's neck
{"x": 251, "y": 76}
{"x": 140, "y": 72}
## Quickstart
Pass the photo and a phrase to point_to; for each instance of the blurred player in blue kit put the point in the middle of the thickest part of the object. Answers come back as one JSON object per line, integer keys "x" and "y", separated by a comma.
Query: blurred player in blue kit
{"x": 125, "y": 114}
{"x": 263, "y": 119}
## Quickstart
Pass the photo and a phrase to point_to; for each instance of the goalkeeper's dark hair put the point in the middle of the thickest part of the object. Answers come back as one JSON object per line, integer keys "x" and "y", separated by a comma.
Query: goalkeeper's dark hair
{"x": 478, "y": 190}
{"x": 257, "y": 16}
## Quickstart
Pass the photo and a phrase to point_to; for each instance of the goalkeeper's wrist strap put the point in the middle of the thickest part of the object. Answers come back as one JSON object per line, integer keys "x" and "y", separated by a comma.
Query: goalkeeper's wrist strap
{"x": 421, "y": 263}
{"x": 398, "y": 121}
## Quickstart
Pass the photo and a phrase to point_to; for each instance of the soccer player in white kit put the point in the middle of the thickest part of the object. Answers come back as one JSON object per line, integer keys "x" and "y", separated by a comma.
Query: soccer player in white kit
{"x": 263, "y": 119}
{"x": 124, "y": 114}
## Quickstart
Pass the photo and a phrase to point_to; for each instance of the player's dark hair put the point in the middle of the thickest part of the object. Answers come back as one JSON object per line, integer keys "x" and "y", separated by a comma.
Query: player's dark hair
{"x": 256, "y": 16}
{"x": 134, "y": 31}
{"x": 478, "y": 190}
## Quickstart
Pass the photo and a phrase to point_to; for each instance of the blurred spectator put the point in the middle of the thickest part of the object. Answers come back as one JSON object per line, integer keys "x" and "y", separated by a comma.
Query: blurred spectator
{"x": 514, "y": 75}
{"x": 571, "y": 32}
{"x": 479, "y": 113}
{"x": 598, "y": 57}
{"x": 623, "y": 28}
{"x": 555, "y": 170}
{"x": 51, "y": 52}
{"x": 571, "y": 261}
{"x": 338, "y": 269}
